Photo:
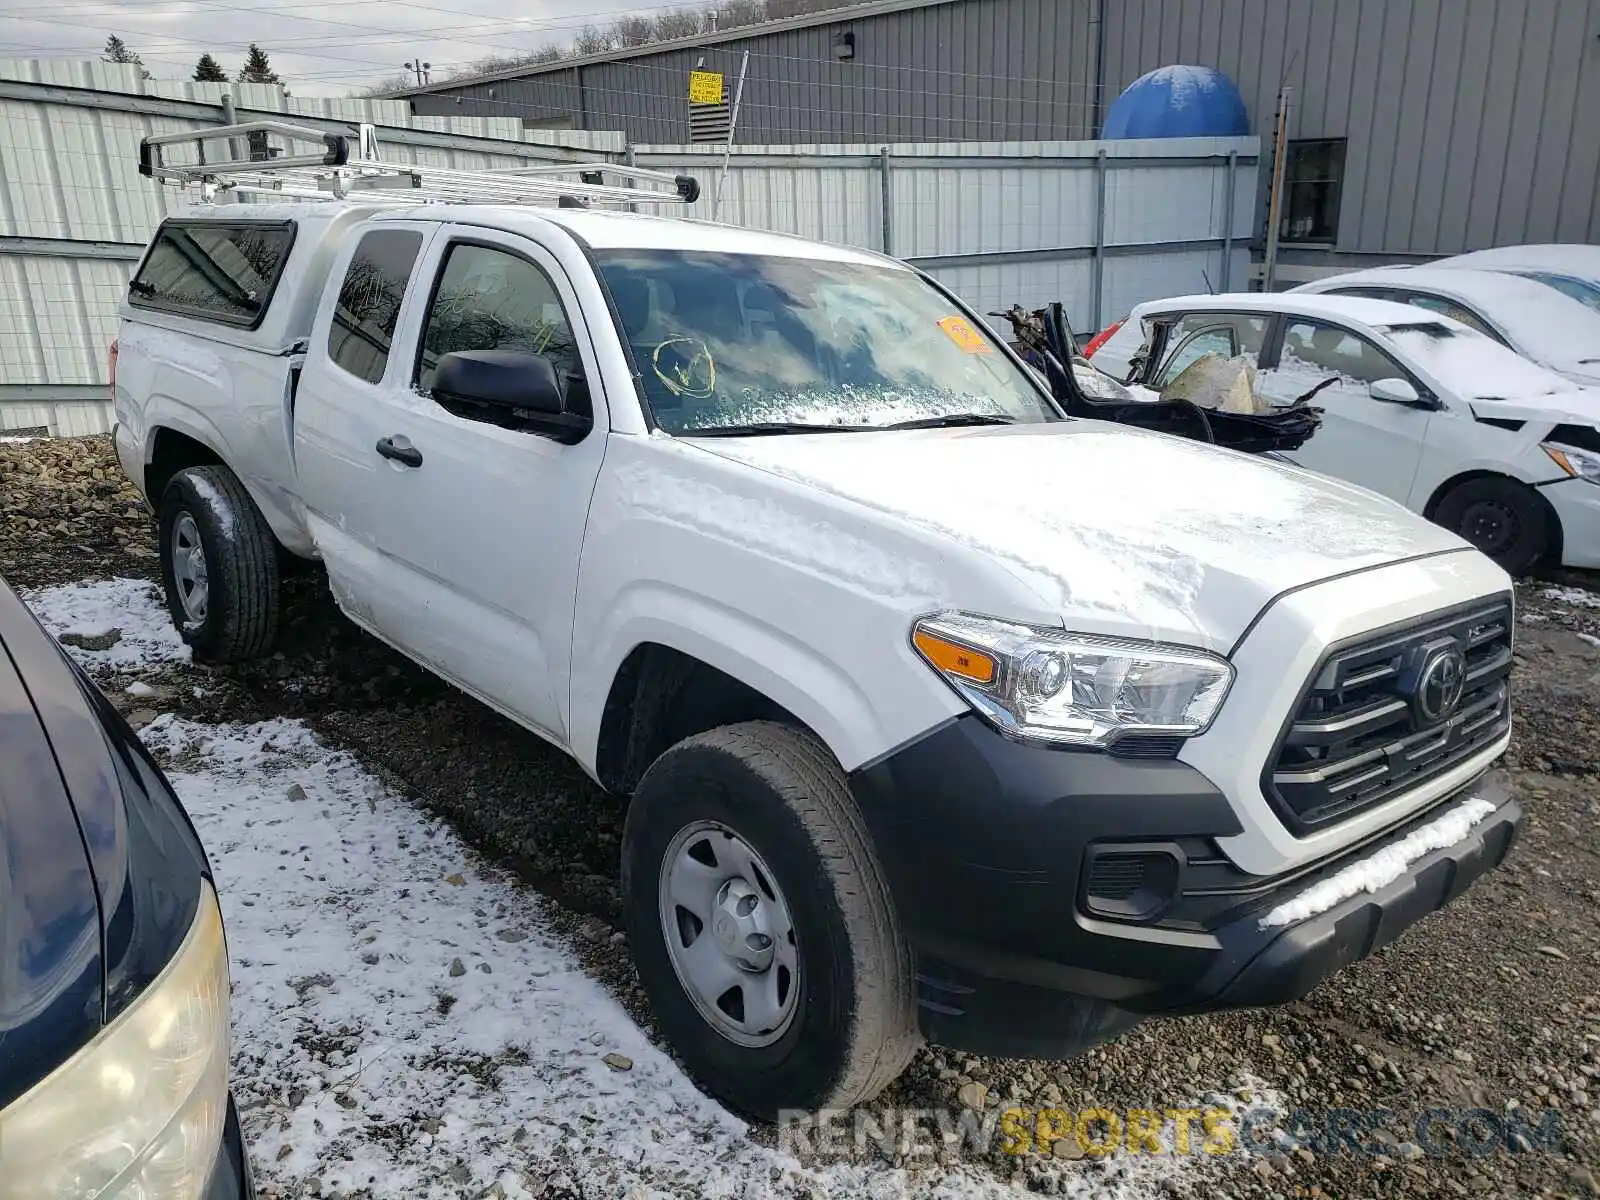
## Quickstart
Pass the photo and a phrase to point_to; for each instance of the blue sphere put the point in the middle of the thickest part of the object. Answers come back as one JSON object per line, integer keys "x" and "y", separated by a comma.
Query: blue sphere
{"x": 1178, "y": 101}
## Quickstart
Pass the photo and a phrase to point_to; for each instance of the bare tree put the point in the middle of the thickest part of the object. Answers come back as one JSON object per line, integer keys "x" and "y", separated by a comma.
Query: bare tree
{"x": 675, "y": 23}
{"x": 733, "y": 13}
{"x": 391, "y": 83}
{"x": 593, "y": 40}
{"x": 633, "y": 31}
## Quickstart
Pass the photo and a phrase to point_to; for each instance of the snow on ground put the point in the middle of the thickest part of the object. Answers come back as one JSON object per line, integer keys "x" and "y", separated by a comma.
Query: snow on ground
{"x": 1572, "y": 595}
{"x": 406, "y": 1021}
{"x": 123, "y": 622}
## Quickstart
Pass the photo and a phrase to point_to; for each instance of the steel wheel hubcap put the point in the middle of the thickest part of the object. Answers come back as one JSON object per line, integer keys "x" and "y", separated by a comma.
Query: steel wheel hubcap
{"x": 189, "y": 569}
{"x": 1490, "y": 527}
{"x": 729, "y": 934}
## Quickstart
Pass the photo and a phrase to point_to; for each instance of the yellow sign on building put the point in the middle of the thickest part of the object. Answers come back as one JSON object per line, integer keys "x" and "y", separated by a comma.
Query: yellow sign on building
{"x": 705, "y": 87}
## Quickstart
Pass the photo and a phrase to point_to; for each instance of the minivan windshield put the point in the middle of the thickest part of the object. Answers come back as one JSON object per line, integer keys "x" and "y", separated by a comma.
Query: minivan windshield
{"x": 735, "y": 343}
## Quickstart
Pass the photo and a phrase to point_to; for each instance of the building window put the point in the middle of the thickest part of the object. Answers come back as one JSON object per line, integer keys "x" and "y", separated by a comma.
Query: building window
{"x": 1313, "y": 178}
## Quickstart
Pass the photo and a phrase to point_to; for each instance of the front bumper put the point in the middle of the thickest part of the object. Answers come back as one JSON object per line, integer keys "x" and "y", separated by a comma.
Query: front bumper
{"x": 994, "y": 853}
{"x": 1577, "y": 506}
{"x": 230, "y": 1177}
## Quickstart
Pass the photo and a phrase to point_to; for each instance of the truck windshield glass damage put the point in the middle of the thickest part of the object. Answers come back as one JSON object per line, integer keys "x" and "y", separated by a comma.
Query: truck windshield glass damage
{"x": 728, "y": 343}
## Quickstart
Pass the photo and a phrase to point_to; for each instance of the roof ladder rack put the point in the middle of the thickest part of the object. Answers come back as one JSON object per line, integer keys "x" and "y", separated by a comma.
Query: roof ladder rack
{"x": 316, "y": 165}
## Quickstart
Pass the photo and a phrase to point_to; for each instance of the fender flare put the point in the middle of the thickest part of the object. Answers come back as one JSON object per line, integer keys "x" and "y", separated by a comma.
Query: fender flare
{"x": 759, "y": 655}
{"x": 165, "y": 412}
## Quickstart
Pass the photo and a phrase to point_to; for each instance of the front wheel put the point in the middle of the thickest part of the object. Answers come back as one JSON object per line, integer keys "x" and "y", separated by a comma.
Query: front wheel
{"x": 219, "y": 565}
{"x": 762, "y": 926}
{"x": 1505, "y": 519}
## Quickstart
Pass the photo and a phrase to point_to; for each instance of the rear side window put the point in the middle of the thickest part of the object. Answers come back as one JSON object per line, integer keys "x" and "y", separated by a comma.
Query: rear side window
{"x": 222, "y": 271}
{"x": 369, "y": 301}
{"x": 1195, "y": 335}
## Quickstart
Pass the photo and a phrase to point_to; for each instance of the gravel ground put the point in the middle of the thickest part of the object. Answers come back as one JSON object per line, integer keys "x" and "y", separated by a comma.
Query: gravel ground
{"x": 1491, "y": 1004}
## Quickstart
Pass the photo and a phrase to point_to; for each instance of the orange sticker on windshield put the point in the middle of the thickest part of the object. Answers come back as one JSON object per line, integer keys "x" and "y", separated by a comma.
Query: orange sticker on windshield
{"x": 960, "y": 331}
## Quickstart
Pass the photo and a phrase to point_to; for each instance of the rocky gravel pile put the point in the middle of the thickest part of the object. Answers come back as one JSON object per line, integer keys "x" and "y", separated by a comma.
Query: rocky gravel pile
{"x": 1491, "y": 1006}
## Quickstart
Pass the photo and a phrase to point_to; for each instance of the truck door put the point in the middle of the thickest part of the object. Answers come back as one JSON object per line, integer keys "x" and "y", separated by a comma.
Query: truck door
{"x": 463, "y": 549}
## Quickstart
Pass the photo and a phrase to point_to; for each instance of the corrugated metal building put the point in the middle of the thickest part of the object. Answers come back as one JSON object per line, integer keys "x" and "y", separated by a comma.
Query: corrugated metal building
{"x": 1417, "y": 127}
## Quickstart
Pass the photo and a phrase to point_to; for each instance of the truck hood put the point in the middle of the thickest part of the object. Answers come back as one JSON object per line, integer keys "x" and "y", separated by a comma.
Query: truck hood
{"x": 1120, "y": 532}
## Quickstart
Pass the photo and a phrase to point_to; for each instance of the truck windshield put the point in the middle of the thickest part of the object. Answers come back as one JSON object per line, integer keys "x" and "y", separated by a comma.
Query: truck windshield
{"x": 732, "y": 342}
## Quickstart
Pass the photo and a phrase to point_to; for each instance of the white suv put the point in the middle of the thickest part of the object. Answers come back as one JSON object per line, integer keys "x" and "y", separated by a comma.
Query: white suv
{"x": 942, "y": 715}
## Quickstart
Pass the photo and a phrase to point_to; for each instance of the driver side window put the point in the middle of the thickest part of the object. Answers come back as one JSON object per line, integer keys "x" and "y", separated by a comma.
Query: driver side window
{"x": 1192, "y": 337}
{"x": 1318, "y": 351}
{"x": 490, "y": 299}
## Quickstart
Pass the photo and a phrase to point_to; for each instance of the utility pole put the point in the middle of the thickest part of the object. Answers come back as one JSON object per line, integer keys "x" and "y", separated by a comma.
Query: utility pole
{"x": 421, "y": 70}
{"x": 1275, "y": 199}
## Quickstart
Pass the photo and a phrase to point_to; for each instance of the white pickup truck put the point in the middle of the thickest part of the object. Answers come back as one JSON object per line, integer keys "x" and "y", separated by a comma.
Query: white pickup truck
{"x": 943, "y": 716}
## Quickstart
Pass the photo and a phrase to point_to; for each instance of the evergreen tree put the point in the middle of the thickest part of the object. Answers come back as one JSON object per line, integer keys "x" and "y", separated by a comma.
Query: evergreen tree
{"x": 208, "y": 70}
{"x": 256, "y": 68}
{"x": 117, "y": 51}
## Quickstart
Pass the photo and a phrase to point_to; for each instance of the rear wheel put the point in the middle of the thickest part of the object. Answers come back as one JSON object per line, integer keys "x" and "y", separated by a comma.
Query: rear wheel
{"x": 219, "y": 565}
{"x": 1505, "y": 519}
{"x": 761, "y": 923}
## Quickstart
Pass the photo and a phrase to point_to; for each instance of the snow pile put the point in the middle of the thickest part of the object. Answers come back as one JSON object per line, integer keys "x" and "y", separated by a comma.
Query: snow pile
{"x": 117, "y": 624}
{"x": 1383, "y": 868}
{"x": 1572, "y": 595}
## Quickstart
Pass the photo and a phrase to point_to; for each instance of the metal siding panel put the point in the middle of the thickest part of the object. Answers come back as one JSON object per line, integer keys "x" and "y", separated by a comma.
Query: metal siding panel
{"x": 1247, "y": 74}
{"x": 1527, "y": 124}
{"x": 1410, "y": 130}
{"x": 1309, "y": 39}
{"x": 1435, "y": 130}
{"x": 1392, "y": 31}
{"x": 1571, "y": 39}
{"x": 1362, "y": 120}
{"x": 1495, "y": 132}
{"x": 1578, "y": 219}
{"x": 1274, "y": 46}
{"x": 1466, "y": 129}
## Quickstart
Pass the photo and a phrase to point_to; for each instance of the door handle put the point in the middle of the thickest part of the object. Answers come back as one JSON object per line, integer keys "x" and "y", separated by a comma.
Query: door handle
{"x": 401, "y": 450}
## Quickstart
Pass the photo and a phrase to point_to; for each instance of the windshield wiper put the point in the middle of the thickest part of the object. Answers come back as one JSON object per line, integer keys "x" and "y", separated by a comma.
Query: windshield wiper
{"x": 761, "y": 428}
{"x": 951, "y": 421}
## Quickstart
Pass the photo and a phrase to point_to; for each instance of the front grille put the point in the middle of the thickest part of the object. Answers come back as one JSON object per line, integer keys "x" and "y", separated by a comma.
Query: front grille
{"x": 1359, "y": 737}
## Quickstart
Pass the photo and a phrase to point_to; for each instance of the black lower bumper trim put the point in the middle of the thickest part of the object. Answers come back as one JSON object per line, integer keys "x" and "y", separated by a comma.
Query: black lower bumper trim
{"x": 985, "y": 843}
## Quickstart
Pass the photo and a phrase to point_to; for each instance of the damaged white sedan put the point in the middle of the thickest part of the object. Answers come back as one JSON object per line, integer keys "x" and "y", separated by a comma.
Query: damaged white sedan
{"x": 1416, "y": 406}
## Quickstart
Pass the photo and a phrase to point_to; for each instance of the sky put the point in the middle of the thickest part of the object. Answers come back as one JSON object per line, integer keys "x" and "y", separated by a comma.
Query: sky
{"x": 318, "y": 48}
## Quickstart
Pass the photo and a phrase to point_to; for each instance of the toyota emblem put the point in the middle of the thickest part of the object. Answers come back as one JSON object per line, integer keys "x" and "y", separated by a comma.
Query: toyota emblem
{"x": 1439, "y": 684}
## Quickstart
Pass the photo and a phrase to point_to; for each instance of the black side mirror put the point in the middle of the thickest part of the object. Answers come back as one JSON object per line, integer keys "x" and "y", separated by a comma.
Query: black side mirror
{"x": 514, "y": 389}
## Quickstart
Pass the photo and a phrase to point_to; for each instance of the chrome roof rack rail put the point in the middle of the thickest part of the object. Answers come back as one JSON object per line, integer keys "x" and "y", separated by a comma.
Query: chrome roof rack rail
{"x": 315, "y": 165}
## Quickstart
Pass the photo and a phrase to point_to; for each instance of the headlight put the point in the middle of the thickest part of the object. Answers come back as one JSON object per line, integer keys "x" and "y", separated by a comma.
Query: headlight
{"x": 1065, "y": 688}
{"x": 138, "y": 1112}
{"x": 1580, "y": 464}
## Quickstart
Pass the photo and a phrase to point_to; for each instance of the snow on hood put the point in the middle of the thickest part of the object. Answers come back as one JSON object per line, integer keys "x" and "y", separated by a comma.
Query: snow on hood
{"x": 1121, "y": 532}
{"x": 1579, "y": 406}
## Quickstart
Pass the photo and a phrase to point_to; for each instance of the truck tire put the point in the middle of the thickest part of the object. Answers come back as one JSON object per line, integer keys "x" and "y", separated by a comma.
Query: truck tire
{"x": 791, "y": 987}
{"x": 219, "y": 564}
{"x": 1505, "y": 519}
